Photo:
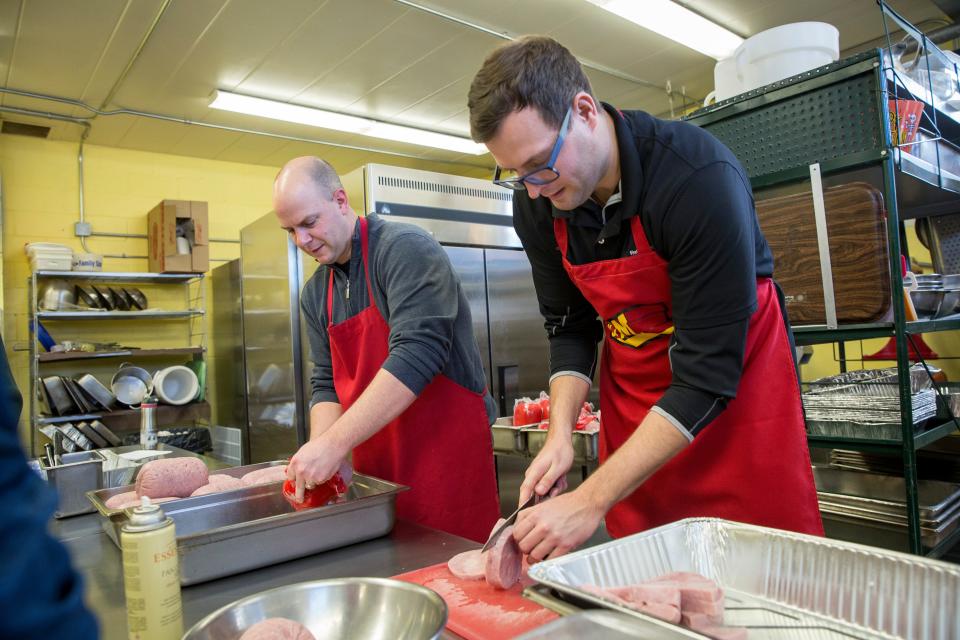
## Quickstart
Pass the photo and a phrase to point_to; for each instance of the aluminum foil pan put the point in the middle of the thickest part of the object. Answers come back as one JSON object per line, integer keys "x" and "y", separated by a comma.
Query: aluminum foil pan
{"x": 778, "y": 584}
{"x": 857, "y": 408}
{"x": 872, "y": 382}
{"x": 608, "y": 625}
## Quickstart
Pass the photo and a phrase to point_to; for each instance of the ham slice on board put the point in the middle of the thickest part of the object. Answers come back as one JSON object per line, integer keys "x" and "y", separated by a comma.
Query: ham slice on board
{"x": 478, "y": 611}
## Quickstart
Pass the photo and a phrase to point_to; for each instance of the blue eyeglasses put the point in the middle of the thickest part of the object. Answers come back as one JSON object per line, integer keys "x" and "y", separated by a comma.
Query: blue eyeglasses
{"x": 544, "y": 175}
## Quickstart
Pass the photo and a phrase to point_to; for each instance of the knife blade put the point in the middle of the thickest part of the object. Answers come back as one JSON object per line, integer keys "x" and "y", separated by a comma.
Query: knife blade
{"x": 511, "y": 519}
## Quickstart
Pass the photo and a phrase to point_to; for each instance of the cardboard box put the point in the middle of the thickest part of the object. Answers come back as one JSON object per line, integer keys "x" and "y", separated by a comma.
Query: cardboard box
{"x": 163, "y": 222}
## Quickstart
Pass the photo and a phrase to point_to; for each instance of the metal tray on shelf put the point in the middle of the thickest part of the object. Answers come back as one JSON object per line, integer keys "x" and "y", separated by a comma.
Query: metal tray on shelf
{"x": 216, "y": 532}
{"x": 881, "y": 531}
{"x": 778, "y": 584}
{"x": 585, "y": 443}
{"x": 884, "y": 494}
{"x": 508, "y": 438}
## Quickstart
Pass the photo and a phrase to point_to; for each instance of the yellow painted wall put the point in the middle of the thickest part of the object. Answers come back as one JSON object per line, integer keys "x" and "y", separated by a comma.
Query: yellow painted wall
{"x": 40, "y": 198}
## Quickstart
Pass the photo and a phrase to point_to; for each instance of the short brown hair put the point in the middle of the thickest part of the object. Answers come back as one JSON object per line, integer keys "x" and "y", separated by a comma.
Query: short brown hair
{"x": 533, "y": 71}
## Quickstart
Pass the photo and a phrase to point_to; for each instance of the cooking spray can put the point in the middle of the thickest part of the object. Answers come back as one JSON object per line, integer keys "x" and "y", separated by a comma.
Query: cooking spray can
{"x": 151, "y": 575}
{"x": 148, "y": 423}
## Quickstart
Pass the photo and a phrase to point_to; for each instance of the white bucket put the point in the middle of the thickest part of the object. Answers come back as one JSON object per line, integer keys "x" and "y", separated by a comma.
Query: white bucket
{"x": 776, "y": 54}
{"x": 176, "y": 385}
{"x": 785, "y": 51}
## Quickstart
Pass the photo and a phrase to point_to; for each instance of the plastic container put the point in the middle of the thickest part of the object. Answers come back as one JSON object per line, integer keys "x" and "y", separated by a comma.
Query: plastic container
{"x": 776, "y": 54}
{"x": 48, "y": 256}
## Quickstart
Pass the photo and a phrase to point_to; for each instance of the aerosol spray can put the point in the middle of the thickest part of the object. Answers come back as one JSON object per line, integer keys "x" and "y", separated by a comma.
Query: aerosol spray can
{"x": 148, "y": 423}
{"x": 151, "y": 575}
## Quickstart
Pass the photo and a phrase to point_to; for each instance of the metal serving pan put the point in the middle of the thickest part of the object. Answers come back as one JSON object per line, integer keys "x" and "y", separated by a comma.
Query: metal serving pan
{"x": 883, "y": 532}
{"x": 216, "y": 532}
{"x": 884, "y": 494}
{"x": 508, "y": 438}
{"x": 778, "y": 584}
{"x": 585, "y": 443}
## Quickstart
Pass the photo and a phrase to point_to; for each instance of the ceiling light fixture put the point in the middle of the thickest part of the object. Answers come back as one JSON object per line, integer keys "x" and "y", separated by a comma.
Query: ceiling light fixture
{"x": 678, "y": 23}
{"x": 342, "y": 122}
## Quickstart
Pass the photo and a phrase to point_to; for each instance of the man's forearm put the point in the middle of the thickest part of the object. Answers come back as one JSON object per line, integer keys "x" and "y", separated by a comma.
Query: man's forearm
{"x": 567, "y": 395}
{"x": 322, "y": 417}
{"x": 651, "y": 445}
{"x": 383, "y": 400}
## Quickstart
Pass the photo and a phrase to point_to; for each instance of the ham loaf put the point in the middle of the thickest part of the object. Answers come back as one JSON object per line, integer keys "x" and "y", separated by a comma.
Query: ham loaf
{"x": 176, "y": 477}
{"x": 277, "y": 629}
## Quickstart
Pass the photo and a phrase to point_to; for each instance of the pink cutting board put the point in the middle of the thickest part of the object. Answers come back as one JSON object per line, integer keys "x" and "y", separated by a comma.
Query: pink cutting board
{"x": 478, "y": 611}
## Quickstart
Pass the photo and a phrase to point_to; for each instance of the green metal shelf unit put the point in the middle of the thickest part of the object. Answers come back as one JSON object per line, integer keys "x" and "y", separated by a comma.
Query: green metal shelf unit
{"x": 834, "y": 120}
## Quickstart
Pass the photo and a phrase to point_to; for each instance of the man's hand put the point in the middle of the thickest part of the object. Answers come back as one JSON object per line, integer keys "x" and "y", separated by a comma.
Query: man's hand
{"x": 314, "y": 463}
{"x": 548, "y": 468}
{"x": 557, "y": 526}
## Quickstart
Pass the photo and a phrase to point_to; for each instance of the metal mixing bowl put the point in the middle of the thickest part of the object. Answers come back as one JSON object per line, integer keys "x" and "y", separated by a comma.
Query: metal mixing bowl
{"x": 347, "y": 608}
{"x": 927, "y": 302}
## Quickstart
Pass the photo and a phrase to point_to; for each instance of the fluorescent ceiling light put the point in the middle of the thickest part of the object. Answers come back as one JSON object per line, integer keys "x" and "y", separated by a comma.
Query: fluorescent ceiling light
{"x": 677, "y": 23}
{"x": 342, "y": 122}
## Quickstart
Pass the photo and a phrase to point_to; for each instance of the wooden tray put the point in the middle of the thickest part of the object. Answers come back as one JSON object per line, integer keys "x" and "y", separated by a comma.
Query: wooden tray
{"x": 856, "y": 226}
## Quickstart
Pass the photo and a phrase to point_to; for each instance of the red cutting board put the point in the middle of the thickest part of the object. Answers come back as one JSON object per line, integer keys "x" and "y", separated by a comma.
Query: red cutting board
{"x": 478, "y": 611}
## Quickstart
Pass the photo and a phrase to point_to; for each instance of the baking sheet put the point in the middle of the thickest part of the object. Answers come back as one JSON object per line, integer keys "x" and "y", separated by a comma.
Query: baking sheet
{"x": 778, "y": 584}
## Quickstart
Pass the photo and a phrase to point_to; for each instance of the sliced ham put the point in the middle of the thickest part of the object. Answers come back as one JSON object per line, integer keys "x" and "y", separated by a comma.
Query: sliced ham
{"x": 469, "y": 565}
{"x": 276, "y": 473}
{"x": 685, "y": 598}
{"x": 277, "y": 629}
{"x": 698, "y": 593}
{"x": 503, "y": 563}
{"x": 655, "y": 600}
{"x": 176, "y": 477}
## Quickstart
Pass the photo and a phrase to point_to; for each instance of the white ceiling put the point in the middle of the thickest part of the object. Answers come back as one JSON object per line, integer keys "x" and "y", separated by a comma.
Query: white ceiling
{"x": 385, "y": 59}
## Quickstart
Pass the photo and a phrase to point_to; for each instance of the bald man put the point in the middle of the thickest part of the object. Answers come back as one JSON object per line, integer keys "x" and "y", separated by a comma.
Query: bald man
{"x": 397, "y": 375}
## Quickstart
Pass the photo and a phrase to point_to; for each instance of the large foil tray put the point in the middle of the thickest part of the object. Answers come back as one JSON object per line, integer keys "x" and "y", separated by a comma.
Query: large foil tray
{"x": 225, "y": 533}
{"x": 778, "y": 584}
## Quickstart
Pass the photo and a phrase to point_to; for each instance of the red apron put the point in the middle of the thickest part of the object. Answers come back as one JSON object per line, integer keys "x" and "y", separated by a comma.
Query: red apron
{"x": 441, "y": 446}
{"x": 751, "y": 464}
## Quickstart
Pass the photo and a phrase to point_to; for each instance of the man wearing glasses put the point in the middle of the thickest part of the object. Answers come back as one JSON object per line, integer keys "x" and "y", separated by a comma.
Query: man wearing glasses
{"x": 643, "y": 232}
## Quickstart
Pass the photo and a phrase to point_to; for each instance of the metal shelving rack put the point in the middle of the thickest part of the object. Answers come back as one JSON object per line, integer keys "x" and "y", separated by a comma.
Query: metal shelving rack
{"x": 193, "y": 313}
{"x": 831, "y": 121}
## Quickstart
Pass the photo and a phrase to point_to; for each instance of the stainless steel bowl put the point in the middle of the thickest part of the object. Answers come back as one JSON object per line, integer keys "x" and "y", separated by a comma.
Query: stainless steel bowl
{"x": 927, "y": 302}
{"x": 369, "y": 608}
{"x": 951, "y": 300}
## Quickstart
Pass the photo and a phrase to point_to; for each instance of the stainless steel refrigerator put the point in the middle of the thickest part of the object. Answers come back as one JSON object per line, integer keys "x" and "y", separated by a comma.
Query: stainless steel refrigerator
{"x": 471, "y": 218}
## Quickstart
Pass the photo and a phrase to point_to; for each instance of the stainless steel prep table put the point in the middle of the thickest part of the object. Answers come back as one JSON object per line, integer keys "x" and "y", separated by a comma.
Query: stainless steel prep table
{"x": 407, "y": 547}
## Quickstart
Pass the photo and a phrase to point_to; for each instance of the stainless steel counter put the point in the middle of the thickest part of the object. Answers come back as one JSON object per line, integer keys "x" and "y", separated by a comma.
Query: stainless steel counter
{"x": 408, "y": 547}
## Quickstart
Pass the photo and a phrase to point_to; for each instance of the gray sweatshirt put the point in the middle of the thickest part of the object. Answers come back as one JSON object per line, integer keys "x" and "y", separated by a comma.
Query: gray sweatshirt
{"x": 419, "y": 295}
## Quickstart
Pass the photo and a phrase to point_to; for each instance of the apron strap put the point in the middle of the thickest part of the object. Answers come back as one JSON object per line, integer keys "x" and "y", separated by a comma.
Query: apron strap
{"x": 364, "y": 251}
{"x": 636, "y": 228}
